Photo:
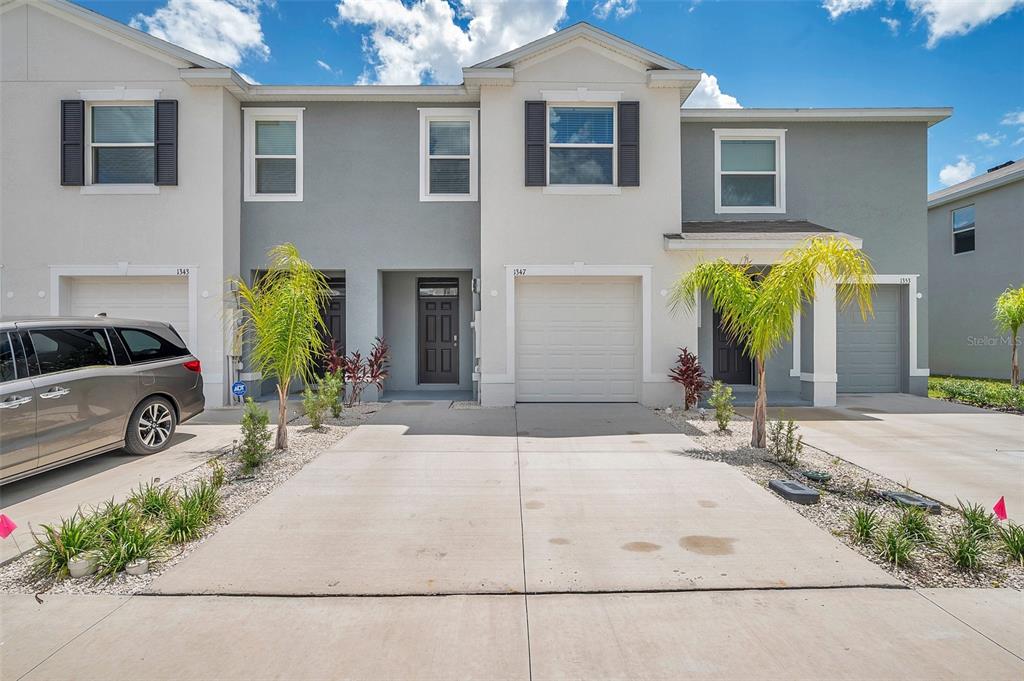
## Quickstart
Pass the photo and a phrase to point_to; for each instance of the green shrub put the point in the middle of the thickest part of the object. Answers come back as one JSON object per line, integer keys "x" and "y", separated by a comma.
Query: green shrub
{"x": 1011, "y": 537}
{"x": 978, "y": 520}
{"x": 207, "y": 496}
{"x": 894, "y": 546}
{"x": 913, "y": 523}
{"x": 784, "y": 444}
{"x": 60, "y": 543}
{"x": 151, "y": 500}
{"x": 254, "y": 448}
{"x": 186, "y": 519}
{"x": 115, "y": 516}
{"x": 332, "y": 388}
{"x": 313, "y": 404}
{"x": 964, "y": 548}
{"x": 864, "y": 523}
{"x": 217, "y": 473}
{"x": 135, "y": 540}
{"x": 980, "y": 392}
{"x": 723, "y": 403}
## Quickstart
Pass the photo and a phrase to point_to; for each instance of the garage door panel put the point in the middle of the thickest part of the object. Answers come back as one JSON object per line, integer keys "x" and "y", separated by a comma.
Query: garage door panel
{"x": 868, "y": 353}
{"x": 163, "y": 299}
{"x": 577, "y": 340}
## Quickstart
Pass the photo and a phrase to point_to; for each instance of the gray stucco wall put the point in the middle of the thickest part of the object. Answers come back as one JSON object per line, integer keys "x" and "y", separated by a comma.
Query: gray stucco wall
{"x": 361, "y": 211}
{"x": 865, "y": 179}
{"x": 964, "y": 286}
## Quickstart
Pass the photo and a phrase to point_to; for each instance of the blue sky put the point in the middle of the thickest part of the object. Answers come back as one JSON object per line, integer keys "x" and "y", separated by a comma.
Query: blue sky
{"x": 823, "y": 53}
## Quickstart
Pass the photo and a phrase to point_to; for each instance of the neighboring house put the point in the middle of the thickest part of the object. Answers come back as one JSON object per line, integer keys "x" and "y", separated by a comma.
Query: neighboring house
{"x": 975, "y": 252}
{"x": 515, "y": 234}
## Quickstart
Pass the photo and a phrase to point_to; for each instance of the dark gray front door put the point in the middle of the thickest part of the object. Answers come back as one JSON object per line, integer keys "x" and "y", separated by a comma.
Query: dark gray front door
{"x": 730, "y": 364}
{"x": 438, "y": 330}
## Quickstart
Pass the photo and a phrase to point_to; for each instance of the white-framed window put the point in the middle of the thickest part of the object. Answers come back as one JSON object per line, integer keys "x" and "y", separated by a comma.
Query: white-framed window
{"x": 750, "y": 170}
{"x": 120, "y": 143}
{"x": 581, "y": 144}
{"x": 449, "y": 163}
{"x": 273, "y": 154}
{"x": 962, "y": 220}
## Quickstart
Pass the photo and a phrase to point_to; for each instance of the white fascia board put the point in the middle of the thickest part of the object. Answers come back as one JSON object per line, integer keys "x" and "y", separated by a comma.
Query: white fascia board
{"x": 931, "y": 116}
{"x": 673, "y": 77}
{"x": 224, "y": 77}
{"x": 751, "y": 242}
{"x": 358, "y": 93}
{"x": 476, "y": 76}
{"x": 940, "y": 198}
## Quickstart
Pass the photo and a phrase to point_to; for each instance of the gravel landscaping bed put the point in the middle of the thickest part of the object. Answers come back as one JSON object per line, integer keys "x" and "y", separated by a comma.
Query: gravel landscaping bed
{"x": 238, "y": 494}
{"x": 850, "y": 488}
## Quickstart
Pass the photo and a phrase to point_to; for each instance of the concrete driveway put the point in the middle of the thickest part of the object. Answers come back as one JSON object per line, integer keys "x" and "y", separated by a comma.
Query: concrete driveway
{"x": 47, "y": 497}
{"x": 943, "y": 450}
{"x": 543, "y": 542}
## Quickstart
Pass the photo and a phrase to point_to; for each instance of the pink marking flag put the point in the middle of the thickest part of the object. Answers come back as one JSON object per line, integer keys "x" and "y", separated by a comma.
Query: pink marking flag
{"x": 1000, "y": 508}
{"x": 6, "y": 526}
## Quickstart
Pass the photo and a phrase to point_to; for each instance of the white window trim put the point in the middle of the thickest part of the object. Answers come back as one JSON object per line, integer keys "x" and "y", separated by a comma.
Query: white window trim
{"x": 450, "y": 114}
{"x": 253, "y": 114}
{"x": 953, "y": 231}
{"x": 776, "y": 135}
{"x": 90, "y": 187}
{"x": 582, "y": 188}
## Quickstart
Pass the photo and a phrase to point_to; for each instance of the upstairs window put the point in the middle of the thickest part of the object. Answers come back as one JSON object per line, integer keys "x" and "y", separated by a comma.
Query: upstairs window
{"x": 273, "y": 164}
{"x": 448, "y": 154}
{"x": 963, "y": 230}
{"x": 750, "y": 171}
{"x": 581, "y": 145}
{"x": 121, "y": 147}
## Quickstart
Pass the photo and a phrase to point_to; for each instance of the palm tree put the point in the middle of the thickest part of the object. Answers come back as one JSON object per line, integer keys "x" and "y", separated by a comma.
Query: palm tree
{"x": 283, "y": 318}
{"x": 1009, "y": 317}
{"x": 758, "y": 310}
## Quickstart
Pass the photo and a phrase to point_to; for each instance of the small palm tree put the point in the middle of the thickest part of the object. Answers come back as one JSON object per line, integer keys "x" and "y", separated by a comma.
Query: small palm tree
{"x": 1008, "y": 315}
{"x": 759, "y": 310}
{"x": 283, "y": 319}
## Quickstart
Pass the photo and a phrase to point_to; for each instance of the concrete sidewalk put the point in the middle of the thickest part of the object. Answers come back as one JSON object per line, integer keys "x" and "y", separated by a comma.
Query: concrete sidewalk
{"x": 940, "y": 449}
{"x": 777, "y": 634}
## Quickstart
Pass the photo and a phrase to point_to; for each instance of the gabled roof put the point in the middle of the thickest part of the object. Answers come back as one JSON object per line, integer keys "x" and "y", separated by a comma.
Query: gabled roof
{"x": 982, "y": 183}
{"x": 122, "y": 31}
{"x": 584, "y": 30}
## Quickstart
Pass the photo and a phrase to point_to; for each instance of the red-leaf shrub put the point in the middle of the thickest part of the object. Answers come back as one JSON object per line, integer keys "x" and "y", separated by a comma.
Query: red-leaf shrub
{"x": 333, "y": 360}
{"x": 362, "y": 371}
{"x": 688, "y": 373}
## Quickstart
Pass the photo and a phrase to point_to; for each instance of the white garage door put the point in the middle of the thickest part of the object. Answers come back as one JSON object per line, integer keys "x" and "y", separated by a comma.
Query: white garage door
{"x": 868, "y": 353}
{"x": 163, "y": 299}
{"x": 578, "y": 339}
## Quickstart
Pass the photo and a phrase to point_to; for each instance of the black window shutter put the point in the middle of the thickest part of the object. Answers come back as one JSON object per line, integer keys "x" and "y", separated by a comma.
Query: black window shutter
{"x": 536, "y": 144}
{"x": 165, "y": 142}
{"x": 72, "y": 142}
{"x": 629, "y": 144}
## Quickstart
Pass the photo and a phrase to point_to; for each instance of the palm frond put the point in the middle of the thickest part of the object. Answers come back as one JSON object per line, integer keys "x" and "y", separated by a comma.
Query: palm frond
{"x": 1008, "y": 312}
{"x": 727, "y": 285}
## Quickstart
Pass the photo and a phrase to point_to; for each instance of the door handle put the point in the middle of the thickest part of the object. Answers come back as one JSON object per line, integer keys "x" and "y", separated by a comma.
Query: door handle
{"x": 14, "y": 402}
{"x": 54, "y": 393}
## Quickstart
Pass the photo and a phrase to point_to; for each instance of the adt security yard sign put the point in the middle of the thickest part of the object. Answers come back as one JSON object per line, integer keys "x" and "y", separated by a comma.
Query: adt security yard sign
{"x": 238, "y": 389}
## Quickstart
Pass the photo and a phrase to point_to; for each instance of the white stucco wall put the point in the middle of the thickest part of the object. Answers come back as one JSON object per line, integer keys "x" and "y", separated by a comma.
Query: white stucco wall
{"x": 45, "y": 227}
{"x": 526, "y": 227}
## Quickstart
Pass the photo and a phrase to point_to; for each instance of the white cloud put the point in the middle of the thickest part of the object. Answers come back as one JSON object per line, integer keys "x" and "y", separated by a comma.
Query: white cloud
{"x": 324, "y": 65}
{"x": 1013, "y": 118}
{"x": 893, "y": 24}
{"x": 955, "y": 173}
{"x": 620, "y": 8}
{"x": 227, "y": 31}
{"x": 1017, "y": 142}
{"x": 422, "y": 41}
{"x": 837, "y": 8}
{"x": 944, "y": 18}
{"x": 708, "y": 95}
{"x": 990, "y": 140}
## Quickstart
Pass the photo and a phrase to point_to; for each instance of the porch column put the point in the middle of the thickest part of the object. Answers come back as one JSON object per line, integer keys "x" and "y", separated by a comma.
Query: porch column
{"x": 363, "y": 317}
{"x": 823, "y": 375}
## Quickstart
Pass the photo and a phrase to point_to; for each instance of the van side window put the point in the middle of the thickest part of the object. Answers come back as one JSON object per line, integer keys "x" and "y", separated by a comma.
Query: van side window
{"x": 149, "y": 345}
{"x": 66, "y": 349}
{"x": 6, "y": 359}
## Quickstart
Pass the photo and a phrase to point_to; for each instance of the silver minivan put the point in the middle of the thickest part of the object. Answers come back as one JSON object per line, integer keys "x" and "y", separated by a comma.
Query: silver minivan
{"x": 71, "y": 388}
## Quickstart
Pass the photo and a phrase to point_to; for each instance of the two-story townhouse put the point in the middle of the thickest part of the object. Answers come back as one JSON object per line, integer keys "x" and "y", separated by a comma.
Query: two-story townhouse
{"x": 975, "y": 252}
{"x": 121, "y": 177}
{"x": 518, "y": 233}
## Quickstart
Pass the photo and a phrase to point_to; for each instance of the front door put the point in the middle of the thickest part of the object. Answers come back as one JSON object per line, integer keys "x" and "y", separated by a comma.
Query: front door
{"x": 730, "y": 364}
{"x": 334, "y": 322}
{"x": 438, "y": 302}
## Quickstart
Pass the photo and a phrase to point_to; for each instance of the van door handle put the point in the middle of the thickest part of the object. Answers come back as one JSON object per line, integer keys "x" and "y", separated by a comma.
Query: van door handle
{"x": 54, "y": 393}
{"x": 14, "y": 402}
